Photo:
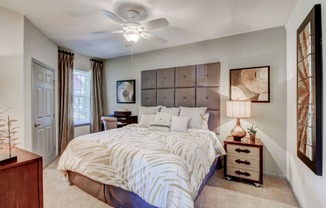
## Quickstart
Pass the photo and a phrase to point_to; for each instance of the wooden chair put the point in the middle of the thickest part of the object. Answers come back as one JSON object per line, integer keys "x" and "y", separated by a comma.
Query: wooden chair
{"x": 109, "y": 122}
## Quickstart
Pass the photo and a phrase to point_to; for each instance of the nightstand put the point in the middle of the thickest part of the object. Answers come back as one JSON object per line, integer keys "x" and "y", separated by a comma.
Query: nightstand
{"x": 244, "y": 160}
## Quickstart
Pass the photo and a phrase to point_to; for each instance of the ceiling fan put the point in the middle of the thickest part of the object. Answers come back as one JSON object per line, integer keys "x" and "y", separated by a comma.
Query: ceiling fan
{"x": 133, "y": 31}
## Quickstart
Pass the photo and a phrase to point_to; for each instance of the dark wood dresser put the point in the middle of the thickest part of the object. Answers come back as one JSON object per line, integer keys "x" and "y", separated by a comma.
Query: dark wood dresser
{"x": 21, "y": 182}
{"x": 124, "y": 118}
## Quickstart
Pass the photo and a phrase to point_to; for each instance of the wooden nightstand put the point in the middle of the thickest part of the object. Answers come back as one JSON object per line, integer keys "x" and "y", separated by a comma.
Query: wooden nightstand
{"x": 244, "y": 160}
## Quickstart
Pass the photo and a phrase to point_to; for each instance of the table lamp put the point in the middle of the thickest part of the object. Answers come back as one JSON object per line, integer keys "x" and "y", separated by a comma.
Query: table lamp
{"x": 238, "y": 109}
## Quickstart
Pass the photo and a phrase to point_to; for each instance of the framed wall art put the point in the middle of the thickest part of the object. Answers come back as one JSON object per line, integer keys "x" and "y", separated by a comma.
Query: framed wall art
{"x": 309, "y": 91}
{"x": 126, "y": 91}
{"x": 250, "y": 84}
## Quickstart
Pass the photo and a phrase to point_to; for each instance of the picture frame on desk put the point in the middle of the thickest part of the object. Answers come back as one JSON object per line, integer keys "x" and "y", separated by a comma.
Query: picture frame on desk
{"x": 126, "y": 90}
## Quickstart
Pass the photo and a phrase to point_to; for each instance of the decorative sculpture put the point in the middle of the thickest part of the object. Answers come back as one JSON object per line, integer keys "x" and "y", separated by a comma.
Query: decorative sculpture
{"x": 7, "y": 135}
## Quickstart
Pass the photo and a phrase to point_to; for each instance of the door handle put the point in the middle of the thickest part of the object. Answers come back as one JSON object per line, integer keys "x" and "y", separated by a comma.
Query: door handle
{"x": 37, "y": 125}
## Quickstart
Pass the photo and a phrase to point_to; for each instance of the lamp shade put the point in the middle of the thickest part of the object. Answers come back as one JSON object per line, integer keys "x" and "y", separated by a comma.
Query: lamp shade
{"x": 238, "y": 108}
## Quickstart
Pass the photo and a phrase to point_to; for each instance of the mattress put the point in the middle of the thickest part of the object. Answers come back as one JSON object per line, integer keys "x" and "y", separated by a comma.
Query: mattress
{"x": 163, "y": 169}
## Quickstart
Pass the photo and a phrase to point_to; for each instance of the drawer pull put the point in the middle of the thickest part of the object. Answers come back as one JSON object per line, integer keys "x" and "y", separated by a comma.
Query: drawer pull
{"x": 246, "y": 162}
{"x": 242, "y": 150}
{"x": 242, "y": 173}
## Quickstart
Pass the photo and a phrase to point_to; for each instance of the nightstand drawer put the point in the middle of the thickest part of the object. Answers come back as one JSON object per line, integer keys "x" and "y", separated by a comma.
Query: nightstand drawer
{"x": 242, "y": 150}
{"x": 251, "y": 163}
{"x": 243, "y": 173}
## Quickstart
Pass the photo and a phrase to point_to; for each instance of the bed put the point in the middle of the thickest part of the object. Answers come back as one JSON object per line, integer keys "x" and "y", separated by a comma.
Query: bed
{"x": 163, "y": 169}
{"x": 162, "y": 161}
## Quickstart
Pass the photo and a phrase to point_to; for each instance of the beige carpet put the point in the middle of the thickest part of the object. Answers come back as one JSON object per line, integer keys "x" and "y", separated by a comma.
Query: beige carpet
{"x": 217, "y": 193}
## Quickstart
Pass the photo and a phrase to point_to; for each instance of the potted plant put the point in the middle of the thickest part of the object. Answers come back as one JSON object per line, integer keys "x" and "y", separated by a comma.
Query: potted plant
{"x": 252, "y": 130}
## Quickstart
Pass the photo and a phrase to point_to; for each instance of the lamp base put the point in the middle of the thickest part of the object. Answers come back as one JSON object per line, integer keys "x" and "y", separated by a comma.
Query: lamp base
{"x": 238, "y": 132}
{"x": 238, "y": 139}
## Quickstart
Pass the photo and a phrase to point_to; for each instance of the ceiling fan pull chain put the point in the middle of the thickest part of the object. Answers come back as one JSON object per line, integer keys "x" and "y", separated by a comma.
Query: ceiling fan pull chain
{"x": 132, "y": 54}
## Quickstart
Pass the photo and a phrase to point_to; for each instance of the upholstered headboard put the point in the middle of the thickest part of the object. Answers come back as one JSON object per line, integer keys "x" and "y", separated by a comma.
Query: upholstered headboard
{"x": 188, "y": 86}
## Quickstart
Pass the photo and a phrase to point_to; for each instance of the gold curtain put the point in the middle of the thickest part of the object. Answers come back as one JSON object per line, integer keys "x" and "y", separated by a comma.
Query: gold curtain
{"x": 96, "y": 95}
{"x": 66, "y": 112}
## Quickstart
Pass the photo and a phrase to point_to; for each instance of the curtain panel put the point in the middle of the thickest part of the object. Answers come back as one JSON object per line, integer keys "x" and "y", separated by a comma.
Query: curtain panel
{"x": 96, "y": 95}
{"x": 66, "y": 112}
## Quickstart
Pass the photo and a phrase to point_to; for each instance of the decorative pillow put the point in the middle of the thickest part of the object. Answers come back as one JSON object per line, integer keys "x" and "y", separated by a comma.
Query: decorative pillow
{"x": 179, "y": 124}
{"x": 172, "y": 111}
{"x": 196, "y": 116}
{"x": 163, "y": 119}
{"x": 205, "y": 121}
{"x": 146, "y": 120}
{"x": 159, "y": 127}
{"x": 148, "y": 111}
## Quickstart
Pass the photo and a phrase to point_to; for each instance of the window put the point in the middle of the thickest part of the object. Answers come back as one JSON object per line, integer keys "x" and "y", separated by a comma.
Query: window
{"x": 82, "y": 91}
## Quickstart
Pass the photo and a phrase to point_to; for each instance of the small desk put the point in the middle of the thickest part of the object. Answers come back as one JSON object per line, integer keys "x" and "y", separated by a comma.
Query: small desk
{"x": 124, "y": 118}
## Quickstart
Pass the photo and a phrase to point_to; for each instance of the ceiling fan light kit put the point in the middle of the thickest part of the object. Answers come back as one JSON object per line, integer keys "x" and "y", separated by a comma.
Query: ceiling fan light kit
{"x": 132, "y": 37}
{"x": 133, "y": 31}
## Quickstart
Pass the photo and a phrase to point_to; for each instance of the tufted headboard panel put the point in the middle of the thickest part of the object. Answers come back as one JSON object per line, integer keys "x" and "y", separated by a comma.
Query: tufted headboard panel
{"x": 188, "y": 86}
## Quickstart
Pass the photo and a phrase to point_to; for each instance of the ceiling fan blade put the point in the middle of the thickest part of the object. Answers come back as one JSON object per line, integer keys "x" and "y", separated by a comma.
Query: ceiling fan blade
{"x": 152, "y": 37}
{"x": 98, "y": 32}
{"x": 118, "y": 31}
{"x": 113, "y": 17}
{"x": 155, "y": 24}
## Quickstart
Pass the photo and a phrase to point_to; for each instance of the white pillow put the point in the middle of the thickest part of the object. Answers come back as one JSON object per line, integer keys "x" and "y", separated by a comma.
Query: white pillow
{"x": 158, "y": 127}
{"x": 205, "y": 121}
{"x": 172, "y": 111}
{"x": 148, "y": 111}
{"x": 179, "y": 124}
{"x": 146, "y": 120}
{"x": 196, "y": 116}
{"x": 163, "y": 119}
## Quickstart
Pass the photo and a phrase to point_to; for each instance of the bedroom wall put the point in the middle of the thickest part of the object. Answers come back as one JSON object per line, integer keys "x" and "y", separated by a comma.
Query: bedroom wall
{"x": 11, "y": 67}
{"x": 265, "y": 47}
{"x": 36, "y": 46}
{"x": 308, "y": 188}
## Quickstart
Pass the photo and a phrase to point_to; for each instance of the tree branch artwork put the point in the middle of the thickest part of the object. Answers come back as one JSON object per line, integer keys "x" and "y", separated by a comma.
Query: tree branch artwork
{"x": 7, "y": 131}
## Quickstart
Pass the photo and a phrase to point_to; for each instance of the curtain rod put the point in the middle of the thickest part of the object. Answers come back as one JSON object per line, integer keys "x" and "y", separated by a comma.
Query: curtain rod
{"x": 96, "y": 60}
{"x": 66, "y": 52}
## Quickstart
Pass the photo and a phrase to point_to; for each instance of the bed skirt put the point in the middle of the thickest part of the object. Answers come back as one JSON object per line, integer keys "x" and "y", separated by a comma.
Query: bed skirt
{"x": 118, "y": 197}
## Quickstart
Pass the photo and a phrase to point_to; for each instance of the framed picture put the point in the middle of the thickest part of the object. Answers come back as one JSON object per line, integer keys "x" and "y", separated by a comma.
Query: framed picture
{"x": 126, "y": 91}
{"x": 250, "y": 84}
{"x": 309, "y": 91}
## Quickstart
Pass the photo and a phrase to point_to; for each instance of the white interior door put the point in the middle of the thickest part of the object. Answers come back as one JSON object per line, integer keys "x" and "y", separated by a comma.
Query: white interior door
{"x": 43, "y": 113}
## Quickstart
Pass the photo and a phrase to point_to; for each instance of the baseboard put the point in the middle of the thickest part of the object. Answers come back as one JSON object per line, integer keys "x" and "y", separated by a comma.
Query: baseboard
{"x": 294, "y": 194}
{"x": 275, "y": 175}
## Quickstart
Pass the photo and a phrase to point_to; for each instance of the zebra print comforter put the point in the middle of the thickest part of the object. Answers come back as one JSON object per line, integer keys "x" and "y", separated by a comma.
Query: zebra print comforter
{"x": 164, "y": 169}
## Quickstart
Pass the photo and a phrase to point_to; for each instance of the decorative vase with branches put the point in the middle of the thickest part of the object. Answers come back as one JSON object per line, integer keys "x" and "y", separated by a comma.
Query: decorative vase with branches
{"x": 7, "y": 132}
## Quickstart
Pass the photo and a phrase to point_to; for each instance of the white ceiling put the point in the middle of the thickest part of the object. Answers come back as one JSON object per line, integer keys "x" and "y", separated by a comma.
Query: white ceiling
{"x": 69, "y": 23}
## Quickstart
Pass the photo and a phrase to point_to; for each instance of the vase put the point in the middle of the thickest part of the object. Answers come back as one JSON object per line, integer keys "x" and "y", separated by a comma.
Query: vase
{"x": 252, "y": 137}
